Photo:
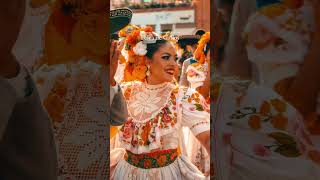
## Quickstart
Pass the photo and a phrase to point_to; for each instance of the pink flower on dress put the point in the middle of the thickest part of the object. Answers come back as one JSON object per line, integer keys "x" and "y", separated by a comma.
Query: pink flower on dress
{"x": 127, "y": 130}
{"x": 192, "y": 109}
{"x": 166, "y": 118}
{"x": 261, "y": 150}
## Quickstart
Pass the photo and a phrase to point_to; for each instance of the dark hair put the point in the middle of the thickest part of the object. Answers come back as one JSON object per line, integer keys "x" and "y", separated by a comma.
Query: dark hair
{"x": 154, "y": 47}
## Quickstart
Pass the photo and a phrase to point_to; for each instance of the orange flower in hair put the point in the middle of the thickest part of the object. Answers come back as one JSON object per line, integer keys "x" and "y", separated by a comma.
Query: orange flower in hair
{"x": 132, "y": 39}
{"x": 148, "y": 29}
{"x": 127, "y": 30}
{"x": 134, "y": 51}
{"x": 199, "y": 53}
{"x": 122, "y": 33}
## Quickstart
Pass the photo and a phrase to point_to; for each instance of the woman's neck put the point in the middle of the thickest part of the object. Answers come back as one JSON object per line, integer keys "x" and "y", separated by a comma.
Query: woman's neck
{"x": 151, "y": 81}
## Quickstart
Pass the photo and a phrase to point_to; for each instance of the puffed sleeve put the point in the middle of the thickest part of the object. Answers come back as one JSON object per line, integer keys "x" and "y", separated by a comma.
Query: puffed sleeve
{"x": 195, "y": 112}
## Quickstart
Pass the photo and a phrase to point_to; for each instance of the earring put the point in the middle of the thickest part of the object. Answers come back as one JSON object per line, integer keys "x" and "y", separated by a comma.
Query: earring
{"x": 148, "y": 73}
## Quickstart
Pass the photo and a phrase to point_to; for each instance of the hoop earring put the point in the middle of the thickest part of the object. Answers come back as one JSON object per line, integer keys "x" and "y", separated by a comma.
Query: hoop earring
{"x": 148, "y": 73}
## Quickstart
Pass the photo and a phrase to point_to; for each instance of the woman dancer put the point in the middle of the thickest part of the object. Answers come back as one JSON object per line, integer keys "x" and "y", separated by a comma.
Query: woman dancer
{"x": 198, "y": 76}
{"x": 157, "y": 111}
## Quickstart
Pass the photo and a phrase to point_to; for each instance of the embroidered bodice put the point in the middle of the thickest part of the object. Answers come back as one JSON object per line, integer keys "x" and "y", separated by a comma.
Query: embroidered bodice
{"x": 157, "y": 113}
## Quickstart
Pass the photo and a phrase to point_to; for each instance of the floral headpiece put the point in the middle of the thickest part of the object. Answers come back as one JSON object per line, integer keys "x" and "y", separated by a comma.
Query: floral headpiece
{"x": 199, "y": 52}
{"x": 123, "y": 33}
{"x": 134, "y": 51}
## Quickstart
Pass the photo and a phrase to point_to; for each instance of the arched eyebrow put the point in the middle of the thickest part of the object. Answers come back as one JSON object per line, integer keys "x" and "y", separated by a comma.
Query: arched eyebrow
{"x": 166, "y": 54}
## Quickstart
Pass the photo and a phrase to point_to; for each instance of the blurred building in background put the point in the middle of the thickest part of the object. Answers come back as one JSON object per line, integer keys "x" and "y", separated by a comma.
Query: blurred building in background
{"x": 181, "y": 17}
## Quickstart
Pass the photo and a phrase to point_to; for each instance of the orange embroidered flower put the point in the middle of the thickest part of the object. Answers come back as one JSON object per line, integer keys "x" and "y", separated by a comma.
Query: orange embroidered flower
{"x": 254, "y": 122}
{"x": 279, "y": 105}
{"x": 279, "y": 122}
{"x": 162, "y": 160}
{"x": 147, "y": 163}
{"x": 54, "y": 103}
{"x": 145, "y": 132}
{"x": 265, "y": 108}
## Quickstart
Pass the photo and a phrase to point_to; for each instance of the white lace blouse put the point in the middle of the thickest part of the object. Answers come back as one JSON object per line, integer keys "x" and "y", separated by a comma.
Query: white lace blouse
{"x": 157, "y": 113}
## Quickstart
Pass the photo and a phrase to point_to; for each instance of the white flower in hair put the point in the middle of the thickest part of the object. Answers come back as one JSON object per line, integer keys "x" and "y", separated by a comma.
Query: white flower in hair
{"x": 140, "y": 49}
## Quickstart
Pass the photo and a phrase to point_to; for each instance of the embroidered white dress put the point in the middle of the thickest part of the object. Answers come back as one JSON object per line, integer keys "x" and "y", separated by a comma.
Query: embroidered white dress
{"x": 156, "y": 115}
{"x": 258, "y": 134}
